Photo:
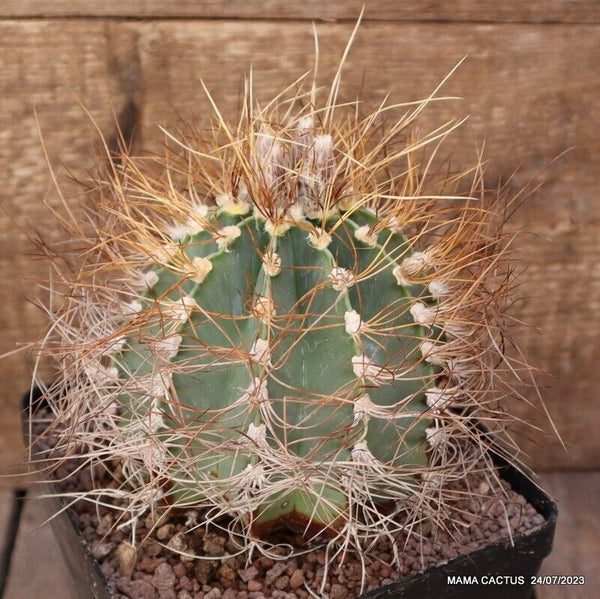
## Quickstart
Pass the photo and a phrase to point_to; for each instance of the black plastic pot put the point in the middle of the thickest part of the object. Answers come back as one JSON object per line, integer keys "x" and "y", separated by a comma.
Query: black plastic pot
{"x": 497, "y": 571}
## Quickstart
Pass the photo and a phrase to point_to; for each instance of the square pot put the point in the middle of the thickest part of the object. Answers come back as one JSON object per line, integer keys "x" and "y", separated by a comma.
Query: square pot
{"x": 497, "y": 571}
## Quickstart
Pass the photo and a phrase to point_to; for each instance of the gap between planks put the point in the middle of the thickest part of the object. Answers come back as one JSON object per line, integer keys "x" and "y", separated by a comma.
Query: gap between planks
{"x": 341, "y": 11}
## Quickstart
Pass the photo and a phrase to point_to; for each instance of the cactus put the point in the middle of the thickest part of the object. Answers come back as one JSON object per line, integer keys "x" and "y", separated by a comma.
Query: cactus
{"x": 289, "y": 345}
{"x": 295, "y": 321}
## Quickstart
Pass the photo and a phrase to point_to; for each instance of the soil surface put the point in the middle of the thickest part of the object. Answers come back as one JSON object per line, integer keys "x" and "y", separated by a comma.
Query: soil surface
{"x": 156, "y": 568}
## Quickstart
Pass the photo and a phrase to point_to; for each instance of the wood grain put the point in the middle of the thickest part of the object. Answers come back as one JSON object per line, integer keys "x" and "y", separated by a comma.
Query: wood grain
{"x": 48, "y": 69}
{"x": 576, "y": 550}
{"x": 510, "y": 11}
{"x": 6, "y": 535}
{"x": 37, "y": 568}
{"x": 532, "y": 92}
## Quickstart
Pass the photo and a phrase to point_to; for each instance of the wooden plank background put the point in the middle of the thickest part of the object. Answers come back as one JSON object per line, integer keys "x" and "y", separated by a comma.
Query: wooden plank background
{"x": 512, "y": 11}
{"x": 531, "y": 85}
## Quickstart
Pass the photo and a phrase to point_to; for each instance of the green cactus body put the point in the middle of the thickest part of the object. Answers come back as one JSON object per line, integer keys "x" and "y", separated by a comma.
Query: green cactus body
{"x": 294, "y": 320}
{"x": 282, "y": 356}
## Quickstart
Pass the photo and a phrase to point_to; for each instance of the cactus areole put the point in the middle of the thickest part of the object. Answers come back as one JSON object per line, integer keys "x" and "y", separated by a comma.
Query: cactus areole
{"x": 292, "y": 322}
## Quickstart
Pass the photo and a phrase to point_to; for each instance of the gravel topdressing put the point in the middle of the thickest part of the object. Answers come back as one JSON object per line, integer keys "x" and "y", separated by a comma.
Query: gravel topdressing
{"x": 156, "y": 568}
{"x": 153, "y": 571}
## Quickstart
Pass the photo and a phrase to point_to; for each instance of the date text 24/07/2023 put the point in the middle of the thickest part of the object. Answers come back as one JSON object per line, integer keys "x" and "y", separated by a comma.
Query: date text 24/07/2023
{"x": 515, "y": 580}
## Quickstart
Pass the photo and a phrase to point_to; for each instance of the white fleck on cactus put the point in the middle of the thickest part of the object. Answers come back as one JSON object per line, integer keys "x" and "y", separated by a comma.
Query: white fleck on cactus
{"x": 294, "y": 327}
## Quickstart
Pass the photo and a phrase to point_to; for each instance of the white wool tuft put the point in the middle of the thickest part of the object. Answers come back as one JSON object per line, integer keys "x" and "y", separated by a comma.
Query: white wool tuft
{"x": 256, "y": 394}
{"x": 231, "y": 205}
{"x": 179, "y": 310}
{"x": 164, "y": 253}
{"x": 365, "y": 235}
{"x": 353, "y": 322}
{"x": 178, "y": 231}
{"x": 272, "y": 263}
{"x": 431, "y": 352}
{"x": 277, "y": 228}
{"x": 98, "y": 373}
{"x": 264, "y": 308}
{"x": 422, "y": 314}
{"x": 323, "y": 149}
{"x": 296, "y": 212}
{"x": 441, "y": 399}
{"x": 200, "y": 269}
{"x": 131, "y": 308}
{"x": 436, "y": 436}
{"x": 414, "y": 264}
{"x": 257, "y": 434}
{"x": 319, "y": 239}
{"x": 400, "y": 278}
{"x": 394, "y": 225}
{"x": 440, "y": 288}
{"x": 260, "y": 352}
{"x": 168, "y": 346}
{"x": 145, "y": 280}
{"x": 364, "y": 368}
{"x": 226, "y": 236}
{"x": 363, "y": 407}
{"x": 342, "y": 278}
